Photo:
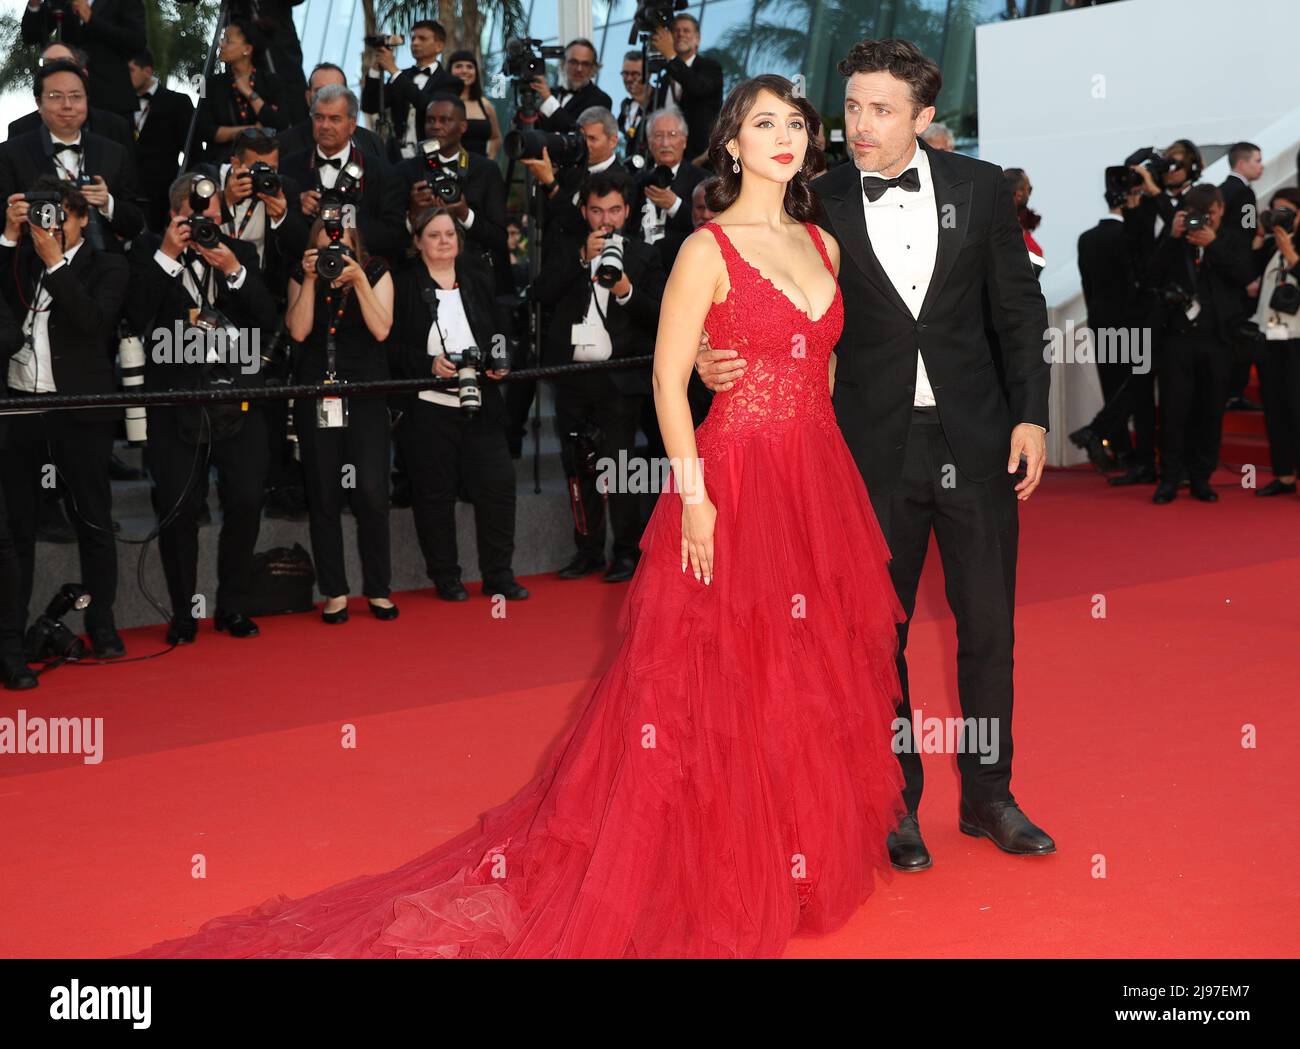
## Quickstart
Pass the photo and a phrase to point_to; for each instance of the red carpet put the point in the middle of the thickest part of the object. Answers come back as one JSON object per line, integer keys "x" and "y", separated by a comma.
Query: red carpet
{"x": 1129, "y": 750}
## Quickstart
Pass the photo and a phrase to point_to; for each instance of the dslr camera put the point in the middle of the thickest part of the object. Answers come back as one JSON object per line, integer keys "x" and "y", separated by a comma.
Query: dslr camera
{"x": 1281, "y": 218}
{"x": 329, "y": 259}
{"x": 565, "y": 148}
{"x": 443, "y": 181}
{"x": 388, "y": 40}
{"x": 1194, "y": 220}
{"x": 609, "y": 266}
{"x": 265, "y": 178}
{"x": 204, "y": 231}
{"x": 45, "y": 209}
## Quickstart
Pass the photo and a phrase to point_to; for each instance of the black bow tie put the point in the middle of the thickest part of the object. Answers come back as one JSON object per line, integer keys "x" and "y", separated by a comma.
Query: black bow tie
{"x": 74, "y": 147}
{"x": 146, "y": 98}
{"x": 334, "y": 162}
{"x": 874, "y": 188}
{"x": 427, "y": 71}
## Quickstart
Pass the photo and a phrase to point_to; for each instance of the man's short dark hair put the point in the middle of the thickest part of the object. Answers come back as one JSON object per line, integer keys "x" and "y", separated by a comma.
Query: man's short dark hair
{"x": 899, "y": 58}
{"x": 326, "y": 65}
{"x": 143, "y": 58}
{"x": 1201, "y": 196}
{"x": 1239, "y": 151}
{"x": 637, "y": 57}
{"x": 257, "y": 145}
{"x": 59, "y": 65}
{"x": 683, "y": 16}
{"x": 602, "y": 184}
{"x": 435, "y": 28}
{"x": 450, "y": 99}
{"x": 69, "y": 193}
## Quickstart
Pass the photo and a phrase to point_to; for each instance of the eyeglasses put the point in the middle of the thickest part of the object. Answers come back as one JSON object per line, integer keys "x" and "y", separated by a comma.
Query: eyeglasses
{"x": 665, "y": 136}
{"x": 630, "y": 74}
{"x": 580, "y": 63}
{"x": 56, "y": 98}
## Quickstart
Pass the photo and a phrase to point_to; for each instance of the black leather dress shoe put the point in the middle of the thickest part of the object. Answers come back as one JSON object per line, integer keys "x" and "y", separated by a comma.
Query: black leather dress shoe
{"x": 1276, "y": 487}
{"x": 1166, "y": 492}
{"x": 621, "y": 570}
{"x": 17, "y": 675}
{"x": 1134, "y": 475}
{"x": 380, "y": 612}
{"x": 1006, "y": 826}
{"x": 107, "y": 644}
{"x": 183, "y": 630}
{"x": 1201, "y": 490}
{"x": 510, "y": 590}
{"x": 1089, "y": 440}
{"x": 452, "y": 591}
{"x": 907, "y": 852}
{"x": 236, "y": 623}
{"x": 580, "y": 566}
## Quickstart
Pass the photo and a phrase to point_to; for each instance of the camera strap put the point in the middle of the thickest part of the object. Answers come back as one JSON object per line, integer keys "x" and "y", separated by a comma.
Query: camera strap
{"x": 204, "y": 293}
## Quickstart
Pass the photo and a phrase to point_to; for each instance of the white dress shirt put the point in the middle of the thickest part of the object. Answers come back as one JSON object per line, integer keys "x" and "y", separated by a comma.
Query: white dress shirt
{"x": 653, "y": 217}
{"x": 328, "y": 173}
{"x": 31, "y": 369}
{"x": 142, "y": 111}
{"x": 71, "y": 165}
{"x": 601, "y": 348}
{"x": 904, "y": 231}
{"x": 192, "y": 274}
{"x": 255, "y": 230}
{"x": 451, "y": 334}
{"x": 411, "y": 137}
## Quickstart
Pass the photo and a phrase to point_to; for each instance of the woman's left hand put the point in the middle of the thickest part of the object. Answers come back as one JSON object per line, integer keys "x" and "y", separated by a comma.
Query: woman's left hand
{"x": 497, "y": 373}
{"x": 1285, "y": 245}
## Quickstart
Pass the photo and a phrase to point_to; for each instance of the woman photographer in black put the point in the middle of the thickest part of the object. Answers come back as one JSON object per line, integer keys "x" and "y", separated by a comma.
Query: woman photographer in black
{"x": 242, "y": 96}
{"x": 1278, "y": 288}
{"x": 341, "y": 324}
{"x": 445, "y": 304}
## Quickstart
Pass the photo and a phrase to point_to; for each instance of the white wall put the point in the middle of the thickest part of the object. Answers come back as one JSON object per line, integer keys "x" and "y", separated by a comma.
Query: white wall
{"x": 1065, "y": 95}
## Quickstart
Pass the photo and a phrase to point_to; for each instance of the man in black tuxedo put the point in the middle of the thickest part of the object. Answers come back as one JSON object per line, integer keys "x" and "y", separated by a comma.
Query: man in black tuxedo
{"x": 1239, "y": 222}
{"x": 407, "y": 93}
{"x": 67, "y": 298}
{"x": 100, "y": 121}
{"x": 299, "y": 137}
{"x": 925, "y": 236}
{"x": 172, "y": 276}
{"x": 62, "y": 148}
{"x": 577, "y": 90}
{"x": 481, "y": 207}
{"x": 161, "y": 124}
{"x": 275, "y": 19}
{"x": 661, "y": 201}
{"x": 692, "y": 82}
{"x": 600, "y": 129}
{"x": 108, "y": 31}
{"x": 592, "y": 323}
{"x": 632, "y": 109}
{"x": 1209, "y": 271}
{"x": 380, "y": 199}
{"x": 15, "y": 674}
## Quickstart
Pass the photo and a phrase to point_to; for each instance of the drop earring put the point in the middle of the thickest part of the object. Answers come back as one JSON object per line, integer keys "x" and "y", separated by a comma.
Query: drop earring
{"x": 735, "y": 164}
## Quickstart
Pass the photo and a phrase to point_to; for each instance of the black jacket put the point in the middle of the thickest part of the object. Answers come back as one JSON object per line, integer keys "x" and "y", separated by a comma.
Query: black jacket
{"x": 217, "y": 109}
{"x": 100, "y": 121}
{"x": 562, "y": 209}
{"x": 1226, "y": 267}
{"x": 23, "y": 160}
{"x": 403, "y": 100}
{"x": 87, "y": 294}
{"x": 676, "y": 227}
{"x": 565, "y": 283}
{"x": 566, "y": 117}
{"x": 113, "y": 35}
{"x": 156, "y": 150}
{"x": 980, "y": 251}
{"x": 701, "y": 100}
{"x": 283, "y": 246}
{"x": 1110, "y": 280}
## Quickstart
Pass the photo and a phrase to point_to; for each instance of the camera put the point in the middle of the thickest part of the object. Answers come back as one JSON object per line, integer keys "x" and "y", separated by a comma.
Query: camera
{"x": 565, "y": 148}
{"x": 443, "y": 181}
{"x": 654, "y": 14}
{"x": 1281, "y": 218}
{"x": 265, "y": 179}
{"x": 526, "y": 58}
{"x": 1285, "y": 298}
{"x": 659, "y": 176}
{"x": 609, "y": 266}
{"x": 1174, "y": 295}
{"x": 388, "y": 40}
{"x": 329, "y": 260}
{"x": 468, "y": 362}
{"x": 1195, "y": 220}
{"x": 204, "y": 231}
{"x": 45, "y": 209}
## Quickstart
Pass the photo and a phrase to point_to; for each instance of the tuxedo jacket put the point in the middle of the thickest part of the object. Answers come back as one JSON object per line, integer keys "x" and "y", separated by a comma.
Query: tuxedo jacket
{"x": 1240, "y": 220}
{"x": 980, "y": 255}
{"x": 100, "y": 121}
{"x": 701, "y": 100}
{"x": 24, "y": 159}
{"x": 1110, "y": 280}
{"x": 299, "y": 137}
{"x": 565, "y": 284}
{"x": 87, "y": 295}
{"x": 676, "y": 227}
{"x": 1226, "y": 267}
{"x": 381, "y": 202}
{"x": 562, "y": 212}
{"x": 217, "y": 109}
{"x": 566, "y": 117}
{"x": 114, "y": 34}
{"x": 157, "y": 150}
{"x": 405, "y": 101}
{"x": 485, "y": 193}
{"x": 284, "y": 245}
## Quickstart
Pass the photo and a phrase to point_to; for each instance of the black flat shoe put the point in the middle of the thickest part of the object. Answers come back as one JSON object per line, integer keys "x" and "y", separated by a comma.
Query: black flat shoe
{"x": 341, "y": 616}
{"x": 1276, "y": 487}
{"x": 182, "y": 631}
{"x": 107, "y": 644}
{"x": 236, "y": 624}
{"x": 1166, "y": 492}
{"x": 452, "y": 591}
{"x": 1201, "y": 490}
{"x": 511, "y": 591}
{"x": 17, "y": 675}
{"x": 580, "y": 566}
{"x": 907, "y": 852}
{"x": 623, "y": 569}
{"x": 1006, "y": 826}
{"x": 380, "y": 612}
{"x": 1134, "y": 475}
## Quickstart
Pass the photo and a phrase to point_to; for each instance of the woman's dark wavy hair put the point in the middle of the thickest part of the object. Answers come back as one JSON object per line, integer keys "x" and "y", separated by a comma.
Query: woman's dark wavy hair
{"x": 799, "y": 200}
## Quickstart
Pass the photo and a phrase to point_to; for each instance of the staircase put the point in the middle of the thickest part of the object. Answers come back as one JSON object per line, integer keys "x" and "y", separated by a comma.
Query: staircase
{"x": 1244, "y": 438}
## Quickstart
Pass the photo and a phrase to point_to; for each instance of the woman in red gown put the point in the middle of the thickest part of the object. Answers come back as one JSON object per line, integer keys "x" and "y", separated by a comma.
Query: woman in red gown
{"x": 732, "y": 779}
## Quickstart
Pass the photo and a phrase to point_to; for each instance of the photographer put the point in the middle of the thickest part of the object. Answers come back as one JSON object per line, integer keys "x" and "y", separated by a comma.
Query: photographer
{"x": 336, "y": 162}
{"x": 661, "y": 205}
{"x": 15, "y": 674}
{"x": 407, "y": 93}
{"x": 100, "y": 121}
{"x": 691, "y": 82}
{"x": 1278, "y": 290}
{"x": 342, "y": 317}
{"x": 161, "y": 123}
{"x": 109, "y": 31}
{"x": 299, "y": 137}
{"x": 559, "y": 108}
{"x": 1199, "y": 276}
{"x": 606, "y": 307}
{"x": 244, "y": 95}
{"x": 68, "y": 297}
{"x": 1241, "y": 221}
{"x": 469, "y": 186}
{"x": 174, "y": 276}
{"x": 632, "y": 110}
{"x": 445, "y": 306}
{"x": 101, "y": 169}
{"x": 284, "y": 52}
{"x": 600, "y": 130}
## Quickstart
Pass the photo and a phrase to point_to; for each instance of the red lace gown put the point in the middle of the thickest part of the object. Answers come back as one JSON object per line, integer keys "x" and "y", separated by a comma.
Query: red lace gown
{"x": 731, "y": 780}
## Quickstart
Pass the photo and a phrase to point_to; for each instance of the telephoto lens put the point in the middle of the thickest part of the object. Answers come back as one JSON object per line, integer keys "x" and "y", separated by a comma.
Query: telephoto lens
{"x": 609, "y": 266}
{"x": 130, "y": 359}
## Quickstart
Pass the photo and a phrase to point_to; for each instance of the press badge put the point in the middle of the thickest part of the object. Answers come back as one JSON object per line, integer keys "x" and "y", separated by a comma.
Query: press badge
{"x": 331, "y": 412}
{"x": 582, "y": 334}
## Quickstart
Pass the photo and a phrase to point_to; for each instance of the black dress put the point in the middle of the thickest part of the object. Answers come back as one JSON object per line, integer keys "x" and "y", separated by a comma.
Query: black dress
{"x": 476, "y": 136}
{"x": 223, "y": 106}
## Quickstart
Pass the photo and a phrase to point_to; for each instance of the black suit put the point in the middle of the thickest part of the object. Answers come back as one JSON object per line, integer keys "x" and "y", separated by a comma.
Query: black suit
{"x": 158, "y": 149}
{"x": 381, "y": 203}
{"x": 902, "y": 453}
{"x": 11, "y": 615}
{"x": 100, "y": 121}
{"x": 23, "y": 160}
{"x": 217, "y": 110}
{"x": 113, "y": 35}
{"x": 566, "y": 117}
{"x": 282, "y": 245}
{"x": 404, "y": 100}
{"x": 611, "y": 399}
{"x": 562, "y": 208}
{"x": 158, "y": 301}
{"x": 1239, "y": 222}
{"x": 299, "y": 137}
{"x": 87, "y": 295}
{"x": 677, "y": 227}
{"x": 701, "y": 98}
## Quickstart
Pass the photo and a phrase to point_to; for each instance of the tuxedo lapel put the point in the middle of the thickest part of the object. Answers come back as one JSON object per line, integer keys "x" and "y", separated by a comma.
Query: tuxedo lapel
{"x": 844, "y": 205}
{"x": 952, "y": 201}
